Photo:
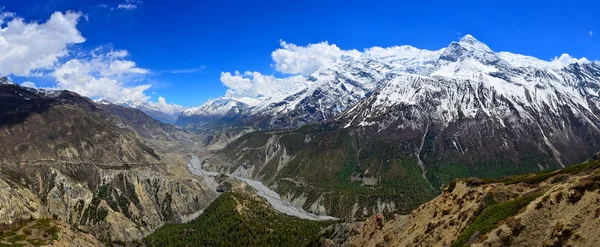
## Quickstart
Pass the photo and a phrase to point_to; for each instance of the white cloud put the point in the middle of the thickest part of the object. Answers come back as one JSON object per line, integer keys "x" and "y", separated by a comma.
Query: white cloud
{"x": 187, "y": 71}
{"x": 255, "y": 84}
{"x": 28, "y": 84}
{"x": 566, "y": 59}
{"x": 30, "y": 49}
{"x": 592, "y": 33}
{"x": 165, "y": 107}
{"x": 27, "y": 48}
{"x": 5, "y": 15}
{"x": 236, "y": 82}
{"x": 103, "y": 75}
{"x": 129, "y": 4}
{"x": 304, "y": 60}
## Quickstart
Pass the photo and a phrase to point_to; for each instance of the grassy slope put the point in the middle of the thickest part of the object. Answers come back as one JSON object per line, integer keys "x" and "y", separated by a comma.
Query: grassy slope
{"x": 495, "y": 213}
{"x": 32, "y": 232}
{"x": 491, "y": 217}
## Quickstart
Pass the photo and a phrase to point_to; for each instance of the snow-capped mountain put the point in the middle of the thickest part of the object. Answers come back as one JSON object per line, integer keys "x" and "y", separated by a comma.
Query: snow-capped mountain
{"x": 4, "y": 80}
{"x": 473, "y": 98}
{"x": 321, "y": 96}
{"x": 332, "y": 89}
{"x": 215, "y": 109}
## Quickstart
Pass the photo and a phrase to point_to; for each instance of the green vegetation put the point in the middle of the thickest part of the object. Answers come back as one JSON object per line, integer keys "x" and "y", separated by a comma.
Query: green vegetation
{"x": 238, "y": 219}
{"x": 94, "y": 213}
{"x": 542, "y": 176}
{"x": 345, "y": 169}
{"x": 119, "y": 196}
{"x": 330, "y": 164}
{"x": 32, "y": 232}
{"x": 492, "y": 216}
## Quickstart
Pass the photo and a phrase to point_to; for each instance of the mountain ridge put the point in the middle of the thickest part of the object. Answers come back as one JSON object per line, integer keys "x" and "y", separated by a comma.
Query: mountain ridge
{"x": 337, "y": 87}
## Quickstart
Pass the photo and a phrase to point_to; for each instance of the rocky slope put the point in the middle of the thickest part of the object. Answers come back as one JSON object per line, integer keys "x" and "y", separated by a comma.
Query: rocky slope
{"x": 67, "y": 159}
{"x": 546, "y": 209}
{"x": 161, "y": 111}
{"x": 148, "y": 128}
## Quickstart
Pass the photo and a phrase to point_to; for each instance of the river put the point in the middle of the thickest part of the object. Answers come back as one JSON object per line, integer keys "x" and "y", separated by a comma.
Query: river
{"x": 195, "y": 166}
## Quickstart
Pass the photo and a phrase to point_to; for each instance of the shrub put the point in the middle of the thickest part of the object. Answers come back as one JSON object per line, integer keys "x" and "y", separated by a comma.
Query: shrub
{"x": 492, "y": 216}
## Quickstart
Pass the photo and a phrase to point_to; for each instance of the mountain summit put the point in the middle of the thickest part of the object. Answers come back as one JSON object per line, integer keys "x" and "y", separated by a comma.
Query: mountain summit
{"x": 470, "y": 42}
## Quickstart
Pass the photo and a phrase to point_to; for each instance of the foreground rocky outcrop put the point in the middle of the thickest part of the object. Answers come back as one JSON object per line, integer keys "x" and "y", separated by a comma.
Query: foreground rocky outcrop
{"x": 560, "y": 208}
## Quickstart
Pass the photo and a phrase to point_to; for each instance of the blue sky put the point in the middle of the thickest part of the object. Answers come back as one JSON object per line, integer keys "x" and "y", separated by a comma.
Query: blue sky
{"x": 202, "y": 39}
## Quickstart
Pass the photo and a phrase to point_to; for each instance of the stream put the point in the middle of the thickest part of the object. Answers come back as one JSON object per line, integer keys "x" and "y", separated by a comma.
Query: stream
{"x": 195, "y": 166}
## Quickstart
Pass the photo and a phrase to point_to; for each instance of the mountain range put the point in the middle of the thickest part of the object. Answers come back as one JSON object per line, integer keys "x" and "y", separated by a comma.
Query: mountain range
{"x": 296, "y": 101}
{"x": 385, "y": 130}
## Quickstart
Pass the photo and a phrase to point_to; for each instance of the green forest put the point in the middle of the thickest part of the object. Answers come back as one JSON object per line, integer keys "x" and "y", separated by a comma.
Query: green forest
{"x": 238, "y": 219}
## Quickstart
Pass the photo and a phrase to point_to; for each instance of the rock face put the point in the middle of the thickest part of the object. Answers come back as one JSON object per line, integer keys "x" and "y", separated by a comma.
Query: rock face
{"x": 148, "y": 128}
{"x": 67, "y": 159}
{"x": 160, "y": 111}
{"x": 556, "y": 209}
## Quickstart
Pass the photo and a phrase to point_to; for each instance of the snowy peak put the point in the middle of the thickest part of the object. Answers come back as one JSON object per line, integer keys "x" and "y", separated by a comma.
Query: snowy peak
{"x": 102, "y": 102}
{"x": 221, "y": 106}
{"x": 469, "y": 48}
{"x": 336, "y": 87}
{"x": 4, "y": 80}
{"x": 470, "y": 42}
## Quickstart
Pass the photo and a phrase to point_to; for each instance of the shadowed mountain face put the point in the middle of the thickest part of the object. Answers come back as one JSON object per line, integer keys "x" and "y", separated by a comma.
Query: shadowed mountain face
{"x": 65, "y": 158}
{"x": 144, "y": 125}
{"x": 64, "y": 127}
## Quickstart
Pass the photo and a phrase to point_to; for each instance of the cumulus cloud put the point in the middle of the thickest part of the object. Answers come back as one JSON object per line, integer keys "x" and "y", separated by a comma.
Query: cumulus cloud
{"x": 165, "y": 107}
{"x": 236, "y": 82}
{"x": 255, "y": 84}
{"x": 566, "y": 59}
{"x": 289, "y": 59}
{"x": 32, "y": 49}
{"x": 304, "y": 60}
{"x": 592, "y": 33}
{"x": 102, "y": 75}
{"x": 28, "y": 48}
